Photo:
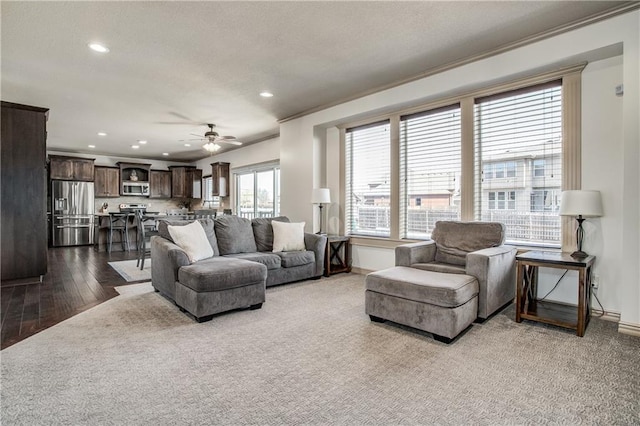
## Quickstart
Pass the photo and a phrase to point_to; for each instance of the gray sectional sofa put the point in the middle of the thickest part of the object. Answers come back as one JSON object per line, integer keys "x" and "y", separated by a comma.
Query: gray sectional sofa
{"x": 242, "y": 265}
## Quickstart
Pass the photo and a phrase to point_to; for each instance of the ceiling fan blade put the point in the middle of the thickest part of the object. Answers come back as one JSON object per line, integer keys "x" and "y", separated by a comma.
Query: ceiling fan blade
{"x": 227, "y": 138}
{"x": 230, "y": 142}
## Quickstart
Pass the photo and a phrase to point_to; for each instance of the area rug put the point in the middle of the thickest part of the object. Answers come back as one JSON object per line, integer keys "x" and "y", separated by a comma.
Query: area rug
{"x": 130, "y": 272}
{"x": 312, "y": 356}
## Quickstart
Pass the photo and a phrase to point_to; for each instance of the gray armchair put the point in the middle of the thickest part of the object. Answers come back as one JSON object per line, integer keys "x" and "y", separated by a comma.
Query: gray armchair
{"x": 470, "y": 248}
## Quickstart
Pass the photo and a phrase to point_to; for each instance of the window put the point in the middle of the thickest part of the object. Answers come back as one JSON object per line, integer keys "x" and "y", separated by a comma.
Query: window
{"x": 511, "y": 130}
{"x": 258, "y": 191}
{"x": 502, "y": 200}
{"x": 430, "y": 169}
{"x": 208, "y": 200}
{"x": 543, "y": 200}
{"x": 368, "y": 186}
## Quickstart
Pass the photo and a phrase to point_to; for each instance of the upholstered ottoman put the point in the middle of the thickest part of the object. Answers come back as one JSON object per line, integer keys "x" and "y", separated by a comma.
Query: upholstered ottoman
{"x": 219, "y": 284}
{"x": 440, "y": 303}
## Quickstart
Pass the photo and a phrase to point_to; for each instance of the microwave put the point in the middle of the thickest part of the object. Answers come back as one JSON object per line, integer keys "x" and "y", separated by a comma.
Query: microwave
{"x": 135, "y": 188}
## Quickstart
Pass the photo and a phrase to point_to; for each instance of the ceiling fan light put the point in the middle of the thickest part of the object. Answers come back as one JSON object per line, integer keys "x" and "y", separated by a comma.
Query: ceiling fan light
{"x": 211, "y": 147}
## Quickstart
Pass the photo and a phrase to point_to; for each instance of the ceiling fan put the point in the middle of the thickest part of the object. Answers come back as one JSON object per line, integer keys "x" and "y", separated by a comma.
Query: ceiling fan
{"x": 213, "y": 139}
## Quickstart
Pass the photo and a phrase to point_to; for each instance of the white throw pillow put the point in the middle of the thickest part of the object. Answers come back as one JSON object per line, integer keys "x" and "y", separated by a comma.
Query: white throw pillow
{"x": 192, "y": 239}
{"x": 288, "y": 236}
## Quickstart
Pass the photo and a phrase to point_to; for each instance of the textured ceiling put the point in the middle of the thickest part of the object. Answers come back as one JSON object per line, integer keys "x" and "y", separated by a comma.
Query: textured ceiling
{"x": 173, "y": 65}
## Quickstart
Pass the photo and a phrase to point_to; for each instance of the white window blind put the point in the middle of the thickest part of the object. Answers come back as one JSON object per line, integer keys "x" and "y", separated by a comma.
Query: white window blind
{"x": 368, "y": 185}
{"x": 430, "y": 168}
{"x": 518, "y": 143}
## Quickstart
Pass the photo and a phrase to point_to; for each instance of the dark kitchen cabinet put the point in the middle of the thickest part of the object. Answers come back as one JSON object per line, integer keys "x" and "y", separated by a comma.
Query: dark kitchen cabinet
{"x": 186, "y": 182}
{"x": 107, "y": 182}
{"x": 71, "y": 168}
{"x": 220, "y": 179}
{"x": 159, "y": 184}
{"x": 24, "y": 191}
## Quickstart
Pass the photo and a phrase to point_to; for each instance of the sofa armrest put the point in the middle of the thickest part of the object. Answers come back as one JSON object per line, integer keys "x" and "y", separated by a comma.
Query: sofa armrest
{"x": 318, "y": 245}
{"x": 166, "y": 259}
{"x": 422, "y": 252}
{"x": 495, "y": 269}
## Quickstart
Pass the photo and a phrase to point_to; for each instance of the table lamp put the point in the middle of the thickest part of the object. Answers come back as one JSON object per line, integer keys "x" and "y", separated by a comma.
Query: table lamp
{"x": 581, "y": 204}
{"x": 320, "y": 196}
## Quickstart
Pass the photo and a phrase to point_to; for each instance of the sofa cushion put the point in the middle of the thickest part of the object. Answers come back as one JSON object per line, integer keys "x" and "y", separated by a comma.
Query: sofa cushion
{"x": 270, "y": 260}
{"x": 288, "y": 236}
{"x": 434, "y": 288}
{"x": 192, "y": 239}
{"x": 221, "y": 273}
{"x": 455, "y": 239}
{"x": 234, "y": 235}
{"x": 263, "y": 231}
{"x": 291, "y": 259}
{"x": 207, "y": 225}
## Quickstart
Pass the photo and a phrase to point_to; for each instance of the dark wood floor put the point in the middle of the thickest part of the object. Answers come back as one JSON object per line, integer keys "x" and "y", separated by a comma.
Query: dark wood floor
{"x": 78, "y": 278}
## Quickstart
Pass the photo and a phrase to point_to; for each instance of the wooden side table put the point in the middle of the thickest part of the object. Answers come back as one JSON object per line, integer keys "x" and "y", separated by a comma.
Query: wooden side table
{"x": 337, "y": 256}
{"x": 529, "y": 307}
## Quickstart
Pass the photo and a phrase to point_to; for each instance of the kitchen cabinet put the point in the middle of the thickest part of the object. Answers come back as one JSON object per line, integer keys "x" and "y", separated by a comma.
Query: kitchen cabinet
{"x": 107, "y": 182}
{"x": 159, "y": 184}
{"x": 186, "y": 182}
{"x": 71, "y": 168}
{"x": 220, "y": 179}
{"x": 24, "y": 191}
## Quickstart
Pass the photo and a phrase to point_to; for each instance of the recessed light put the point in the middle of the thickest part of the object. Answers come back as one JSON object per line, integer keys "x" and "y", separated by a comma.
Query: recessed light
{"x": 187, "y": 144}
{"x": 92, "y": 146}
{"x": 266, "y": 94}
{"x": 165, "y": 153}
{"x": 135, "y": 146}
{"x": 98, "y": 47}
{"x": 142, "y": 142}
{"x": 102, "y": 134}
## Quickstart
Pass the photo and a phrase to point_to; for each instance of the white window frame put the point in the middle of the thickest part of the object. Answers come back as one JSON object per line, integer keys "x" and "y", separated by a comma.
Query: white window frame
{"x": 254, "y": 170}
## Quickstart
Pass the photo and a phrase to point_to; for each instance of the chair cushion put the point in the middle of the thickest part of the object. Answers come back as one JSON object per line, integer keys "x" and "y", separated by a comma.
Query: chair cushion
{"x": 234, "y": 235}
{"x": 207, "y": 225}
{"x": 270, "y": 260}
{"x": 440, "y": 267}
{"x": 263, "y": 231}
{"x": 291, "y": 259}
{"x": 435, "y": 288}
{"x": 455, "y": 239}
{"x": 221, "y": 273}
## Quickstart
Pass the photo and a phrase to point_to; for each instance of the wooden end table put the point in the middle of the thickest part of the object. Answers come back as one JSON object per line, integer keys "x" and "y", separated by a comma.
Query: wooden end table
{"x": 337, "y": 256}
{"x": 529, "y": 307}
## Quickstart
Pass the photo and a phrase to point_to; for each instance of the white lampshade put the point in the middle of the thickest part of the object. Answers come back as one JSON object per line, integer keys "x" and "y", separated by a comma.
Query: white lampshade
{"x": 581, "y": 203}
{"x": 320, "y": 196}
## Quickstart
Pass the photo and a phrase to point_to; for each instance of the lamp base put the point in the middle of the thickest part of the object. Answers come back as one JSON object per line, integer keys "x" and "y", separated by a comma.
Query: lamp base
{"x": 579, "y": 254}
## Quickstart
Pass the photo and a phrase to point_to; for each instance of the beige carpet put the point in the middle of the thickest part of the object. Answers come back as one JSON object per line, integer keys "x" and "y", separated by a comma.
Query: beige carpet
{"x": 311, "y": 356}
{"x": 130, "y": 271}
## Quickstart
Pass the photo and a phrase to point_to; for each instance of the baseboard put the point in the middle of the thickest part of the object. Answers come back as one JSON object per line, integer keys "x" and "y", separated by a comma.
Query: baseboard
{"x": 360, "y": 271}
{"x": 629, "y": 328}
{"x": 606, "y": 315}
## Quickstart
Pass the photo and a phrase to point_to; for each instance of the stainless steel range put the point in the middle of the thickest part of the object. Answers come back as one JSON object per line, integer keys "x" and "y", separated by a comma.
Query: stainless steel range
{"x": 131, "y": 208}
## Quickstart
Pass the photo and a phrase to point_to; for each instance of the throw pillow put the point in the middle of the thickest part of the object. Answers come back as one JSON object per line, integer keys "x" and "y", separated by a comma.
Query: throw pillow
{"x": 192, "y": 239}
{"x": 234, "y": 235}
{"x": 288, "y": 236}
{"x": 263, "y": 231}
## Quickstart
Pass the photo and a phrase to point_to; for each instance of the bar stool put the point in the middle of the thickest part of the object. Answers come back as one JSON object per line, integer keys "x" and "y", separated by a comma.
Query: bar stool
{"x": 146, "y": 229}
{"x": 119, "y": 222}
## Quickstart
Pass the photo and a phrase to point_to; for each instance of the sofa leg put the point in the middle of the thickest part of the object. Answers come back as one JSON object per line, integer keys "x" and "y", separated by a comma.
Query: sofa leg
{"x": 204, "y": 318}
{"x": 156, "y": 290}
{"x": 256, "y": 306}
{"x": 443, "y": 339}
{"x": 376, "y": 319}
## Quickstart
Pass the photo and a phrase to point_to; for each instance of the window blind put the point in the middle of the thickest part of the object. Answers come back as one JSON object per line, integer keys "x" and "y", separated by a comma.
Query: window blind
{"x": 518, "y": 152}
{"x": 430, "y": 169}
{"x": 368, "y": 185}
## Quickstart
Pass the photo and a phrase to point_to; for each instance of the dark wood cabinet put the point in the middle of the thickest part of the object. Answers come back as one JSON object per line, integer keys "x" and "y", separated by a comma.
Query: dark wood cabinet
{"x": 186, "y": 182}
{"x": 107, "y": 181}
{"x": 24, "y": 191}
{"x": 71, "y": 168}
{"x": 220, "y": 179}
{"x": 159, "y": 184}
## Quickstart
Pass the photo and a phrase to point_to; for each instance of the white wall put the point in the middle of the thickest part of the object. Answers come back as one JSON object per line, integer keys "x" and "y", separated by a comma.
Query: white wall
{"x": 611, "y": 156}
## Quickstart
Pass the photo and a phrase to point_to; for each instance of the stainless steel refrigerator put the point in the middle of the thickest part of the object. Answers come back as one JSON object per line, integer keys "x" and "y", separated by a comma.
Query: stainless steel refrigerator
{"x": 72, "y": 213}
